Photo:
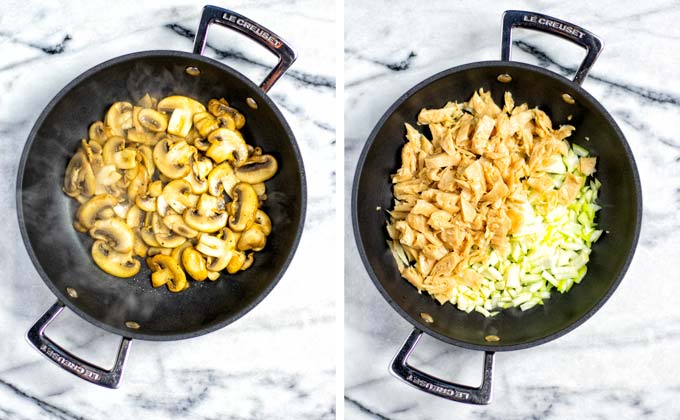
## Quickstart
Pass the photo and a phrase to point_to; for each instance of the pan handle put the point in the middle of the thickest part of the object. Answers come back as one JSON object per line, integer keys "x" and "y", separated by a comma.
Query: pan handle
{"x": 71, "y": 363}
{"x": 254, "y": 31}
{"x": 542, "y": 23}
{"x": 439, "y": 387}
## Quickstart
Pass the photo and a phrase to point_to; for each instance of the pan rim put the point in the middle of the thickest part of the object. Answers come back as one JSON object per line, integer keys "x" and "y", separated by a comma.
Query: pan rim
{"x": 61, "y": 296}
{"x": 421, "y": 325}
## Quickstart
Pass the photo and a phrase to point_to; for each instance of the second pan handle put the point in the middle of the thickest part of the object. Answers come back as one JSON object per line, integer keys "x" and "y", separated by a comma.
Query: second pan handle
{"x": 542, "y": 23}
{"x": 254, "y": 31}
{"x": 71, "y": 363}
{"x": 439, "y": 387}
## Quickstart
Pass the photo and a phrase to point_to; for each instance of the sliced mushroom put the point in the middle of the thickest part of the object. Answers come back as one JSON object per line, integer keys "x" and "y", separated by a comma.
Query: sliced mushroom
{"x": 111, "y": 147}
{"x": 216, "y": 250}
{"x": 96, "y": 208}
{"x": 106, "y": 180}
{"x": 171, "y": 103}
{"x": 221, "y": 108}
{"x": 209, "y": 216}
{"x": 201, "y": 144}
{"x": 226, "y": 121}
{"x": 119, "y": 118}
{"x": 142, "y": 137}
{"x": 163, "y": 235}
{"x": 146, "y": 202}
{"x": 121, "y": 209}
{"x": 167, "y": 271}
{"x": 79, "y": 178}
{"x": 205, "y": 123}
{"x": 115, "y": 232}
{"x": 257, "y": 169}
{"x": 221, "y": 179}
{"x": 153, "y": 120}
{"x": 176, "y": 223}
{"x": 263, "y": 222}
{"x": 236, "y": 262}
{"x": 125, "y": 159}
{"x": 213, "y": 275}
{"x": 173, "y": 160}
{"x": 162, "y": 206}
{"x": 176, "y": 253}
{"x": 135, "y": 218}
{"x": 138, "y": 186}
{"x": 244, "y": 207}
{"x": 139, "y": 248}
{"x": 97, "y": 132}
{"x": 194, "y": 263}
{"x": 250, "y": 259}
{"x": 192, "y": 136}
{"x": 180, "y": 122}
{"x": 260, "y": 189}
{"x": 178, "y": 195}
{"x": 228, "y": 145}
{"x": 252, "y": 238}
{"x": 114, "y": 263}
{"x": 156, "y": 188}
{"x": 149, "y": 237}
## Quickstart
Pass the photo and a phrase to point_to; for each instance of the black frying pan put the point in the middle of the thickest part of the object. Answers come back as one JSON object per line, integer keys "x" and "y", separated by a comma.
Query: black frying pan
{"x": 62, "y": 256}
{"x": 620, "y": 198}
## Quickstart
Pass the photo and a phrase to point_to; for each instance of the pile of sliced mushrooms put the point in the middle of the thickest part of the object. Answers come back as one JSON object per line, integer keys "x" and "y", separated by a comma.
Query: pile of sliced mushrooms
{"x": 151, "y": 180}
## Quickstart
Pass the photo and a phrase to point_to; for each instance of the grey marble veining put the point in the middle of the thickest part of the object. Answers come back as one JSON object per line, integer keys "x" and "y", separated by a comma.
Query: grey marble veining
{"x": 622, "y": 363}
{"x": 275, "y": 363}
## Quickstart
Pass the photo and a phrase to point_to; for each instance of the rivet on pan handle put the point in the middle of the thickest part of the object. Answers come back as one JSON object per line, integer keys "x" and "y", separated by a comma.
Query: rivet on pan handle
{"x": 71, "y": 363}
{"x": 542, "y": 23}
{"x": 254, "y": 31}
{"x": 439, "y": 387}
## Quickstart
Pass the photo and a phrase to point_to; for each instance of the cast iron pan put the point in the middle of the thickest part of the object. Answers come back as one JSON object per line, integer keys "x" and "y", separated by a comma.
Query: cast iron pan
{"x": 62, "y": 256}
{"x": 620, "y": 198}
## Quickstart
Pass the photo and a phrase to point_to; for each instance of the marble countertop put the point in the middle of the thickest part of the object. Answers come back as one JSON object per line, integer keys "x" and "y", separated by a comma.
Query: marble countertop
{"x": 623, "y": 362}
{"x": 275, "y": 363}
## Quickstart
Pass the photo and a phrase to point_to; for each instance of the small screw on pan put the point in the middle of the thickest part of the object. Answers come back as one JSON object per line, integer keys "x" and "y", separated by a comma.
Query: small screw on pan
{"x": 72, "y": 292}
{"x": 492, "y": 338}
{"x": 251, "y": 103}
{"x": 132, "y": 325}
{"x": 568, "y": 99}
{"x": 427, "y": 317}
{"x": 504, "y": 78}
{"x": 193, "y": 71}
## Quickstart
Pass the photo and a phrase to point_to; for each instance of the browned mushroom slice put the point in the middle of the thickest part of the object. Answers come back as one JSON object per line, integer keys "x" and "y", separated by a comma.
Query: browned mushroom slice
{"x": 221, "y": 108}
{"x": 205, "y": 123}
{"x": 114, "y": 263}
{"x": 228, "y": 145}
{"x": 165, "y": 270}
{"x": 115, "y": 232}
{"x": 244, "y": 207}
{"x": 96, "y": 208}
{"x": 209, "y": 215}
{"x": 119, "y": 118}
{"x": 173, "y": 160}
{"x": 257, "y": 169}
{"x": 221, "y": 179}
{"x": 79, "y": 178}
{"x": 153, "y": 120}
{"x": 194, "y": 263}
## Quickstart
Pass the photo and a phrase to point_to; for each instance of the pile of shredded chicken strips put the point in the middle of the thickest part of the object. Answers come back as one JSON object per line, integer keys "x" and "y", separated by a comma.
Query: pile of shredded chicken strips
{"x": 465, "y": 191}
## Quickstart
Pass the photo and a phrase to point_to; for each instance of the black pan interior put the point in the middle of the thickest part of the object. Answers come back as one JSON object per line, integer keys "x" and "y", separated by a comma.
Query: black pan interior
{"x": 620, "y": 198}
{"x": 62, "y": 256}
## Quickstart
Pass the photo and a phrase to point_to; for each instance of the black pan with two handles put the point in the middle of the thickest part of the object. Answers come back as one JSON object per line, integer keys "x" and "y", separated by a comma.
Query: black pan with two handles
{"x": 620, "y": 198}
{"x": 131, "y": 308}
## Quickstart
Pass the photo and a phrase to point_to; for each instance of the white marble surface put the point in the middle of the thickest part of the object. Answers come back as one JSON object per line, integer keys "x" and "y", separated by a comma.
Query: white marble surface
{"x": 275, "y": 363}
{"x": 622, "y": 363}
